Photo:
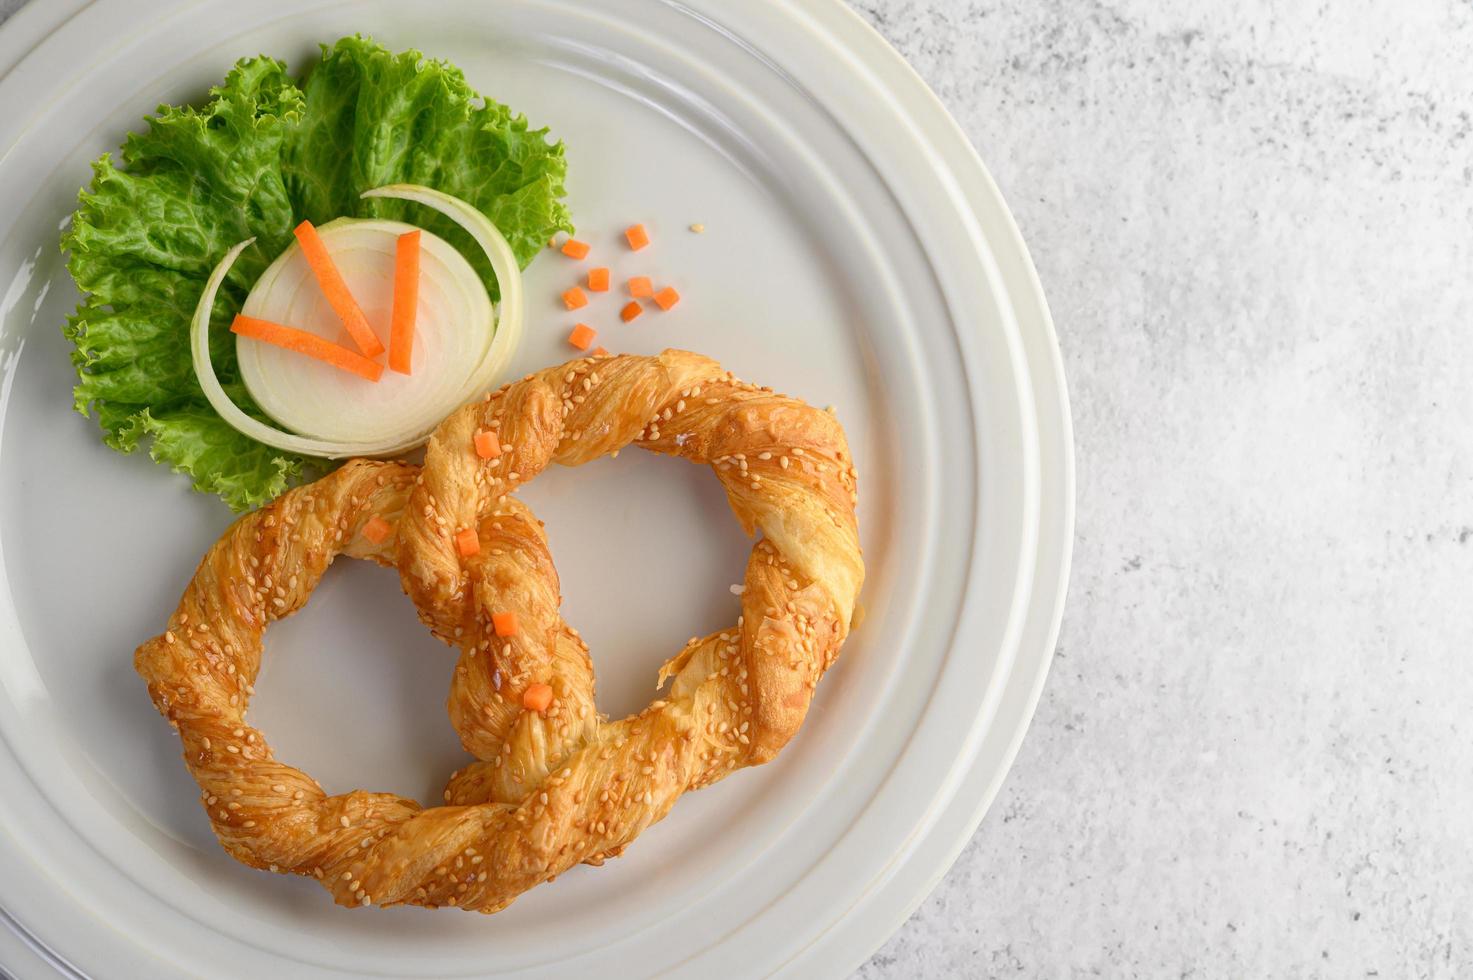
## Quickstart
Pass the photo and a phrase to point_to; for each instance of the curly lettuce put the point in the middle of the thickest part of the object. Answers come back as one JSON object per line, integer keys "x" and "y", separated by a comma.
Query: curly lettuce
{"x": 264, "y": 152}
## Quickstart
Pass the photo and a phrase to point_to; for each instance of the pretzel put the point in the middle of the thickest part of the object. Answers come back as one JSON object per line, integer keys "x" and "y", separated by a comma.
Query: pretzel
{"x": 554, "y": 787}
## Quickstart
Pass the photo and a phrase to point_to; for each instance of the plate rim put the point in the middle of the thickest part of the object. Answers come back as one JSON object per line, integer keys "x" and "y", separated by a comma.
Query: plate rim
{"x": 948, "y": 141}
{"x": 1045, "y": 362}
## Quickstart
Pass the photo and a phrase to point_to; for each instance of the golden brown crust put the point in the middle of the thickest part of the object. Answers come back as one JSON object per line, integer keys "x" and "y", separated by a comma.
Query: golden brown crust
{"x": 549, "y": 789}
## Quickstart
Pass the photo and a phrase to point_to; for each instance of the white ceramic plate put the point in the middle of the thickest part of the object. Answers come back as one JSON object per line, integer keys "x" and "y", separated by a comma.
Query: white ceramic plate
{"x": 856, "y": 254}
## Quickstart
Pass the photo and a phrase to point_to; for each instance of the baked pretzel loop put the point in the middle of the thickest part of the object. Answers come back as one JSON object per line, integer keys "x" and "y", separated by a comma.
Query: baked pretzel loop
{"x": 553, "y": 784}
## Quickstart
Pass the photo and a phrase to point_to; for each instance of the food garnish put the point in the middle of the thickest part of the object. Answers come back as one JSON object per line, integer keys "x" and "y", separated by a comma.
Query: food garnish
{"x": 265, "y": 151}
{"x": 406, "y": 301}
{"x": 302, "y": 342}
{"x": 582, "y": 336}
{"x": 666, "y": 298}
{"x": 487, "y": 445}
{"x": 330, "y": 280}
{"x": 537, "y": 697}
{"x": 377, "y": 530}
{"x": 504, "y": 623}
{"x": 334, "y": 421}
{"x": 636, "y": 236}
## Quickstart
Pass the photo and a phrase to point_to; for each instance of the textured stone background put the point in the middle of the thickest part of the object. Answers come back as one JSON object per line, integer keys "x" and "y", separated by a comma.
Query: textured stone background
{"x": 1254, "y": 222}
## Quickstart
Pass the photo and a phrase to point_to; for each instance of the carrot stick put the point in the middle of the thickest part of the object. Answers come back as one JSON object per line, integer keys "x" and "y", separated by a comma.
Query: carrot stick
{"x": 336, "y": 290}
{"x": 406, "y": 301}
{"x": 310, "y": 344}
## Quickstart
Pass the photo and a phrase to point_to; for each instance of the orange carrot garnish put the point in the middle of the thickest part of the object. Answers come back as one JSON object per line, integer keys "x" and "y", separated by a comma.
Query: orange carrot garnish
{"x": 574, "y": 298}
{"x": 467, "y": 543}
{"x": 487, "y": 445}
{"x": 504, "y": 623}
{"x": 336, "y": 290}
{"x": 310, "y": 344}
{"x": 376, "y": 529}
{"x": 598, "y": 279}
{"x": 582, "y": 336}
{"x": 641, "y": 287}
{"x": 537, "y": 697}
{"x": 406, "y": 301}
{"x": 667, "y": 297}
{"x": 637, "y": 237}
{"x": 575, "y": 249}
{"x": 631, "y": 310}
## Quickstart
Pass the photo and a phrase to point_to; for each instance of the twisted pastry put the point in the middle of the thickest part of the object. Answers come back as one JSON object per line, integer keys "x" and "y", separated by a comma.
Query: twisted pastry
{"x": 558, "y": 786}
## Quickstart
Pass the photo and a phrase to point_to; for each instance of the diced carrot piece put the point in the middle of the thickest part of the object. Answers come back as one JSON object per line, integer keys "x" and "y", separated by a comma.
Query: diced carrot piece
{"x": 631, "y": 310}
{"x": 598, "y": 279}
{"x": 667, "y": 297}
{"x": 336, "y": 290}
{"x": 582, "y": 336}
{"x": 575, "y": 249}
{"x": 574, "y": 298}
{"x": 310, "y": 344}
{"x": 641, "y": 287}
{"x": 537, "y": 697}
{"x": 637, "y": 237}
{"x": 376, "y": 529}
{"x": 467, "y": 543}
{"x": 504, "y": 623}
{"x": 406, "y": 301}
{"x": 487, "y": 445}
{"x": 599, "y": 352}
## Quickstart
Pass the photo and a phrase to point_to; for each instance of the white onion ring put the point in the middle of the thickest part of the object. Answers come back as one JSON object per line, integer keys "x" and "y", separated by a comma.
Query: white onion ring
{"x": 325, "y": 433}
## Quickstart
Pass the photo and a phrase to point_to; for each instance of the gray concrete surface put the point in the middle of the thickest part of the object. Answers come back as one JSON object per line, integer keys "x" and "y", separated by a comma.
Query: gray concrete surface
{"x": 1253, "y": 223}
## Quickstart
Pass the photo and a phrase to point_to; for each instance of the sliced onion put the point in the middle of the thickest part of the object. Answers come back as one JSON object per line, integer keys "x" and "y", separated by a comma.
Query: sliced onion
{"x": 454, "y": 330}
{"x": 503, "y": 262}
{"x": 459, "y": 349}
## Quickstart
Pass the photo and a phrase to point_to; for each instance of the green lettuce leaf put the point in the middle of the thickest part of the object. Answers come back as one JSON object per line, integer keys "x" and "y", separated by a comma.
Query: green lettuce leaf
{"x": 264, "y": 152}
